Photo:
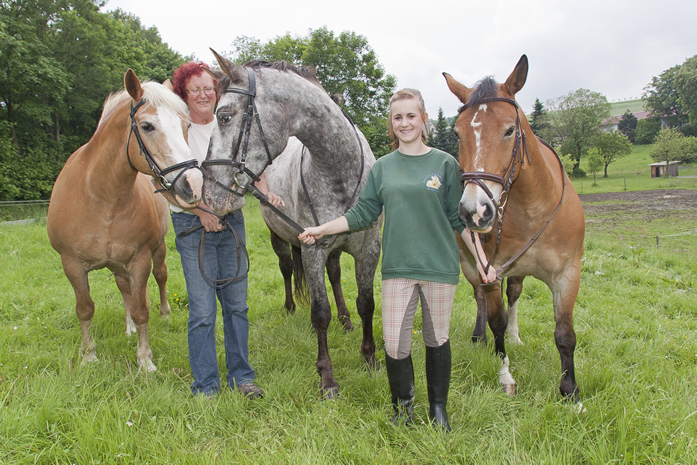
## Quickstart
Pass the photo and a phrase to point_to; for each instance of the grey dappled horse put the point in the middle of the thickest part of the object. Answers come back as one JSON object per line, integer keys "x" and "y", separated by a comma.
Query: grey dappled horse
{"x": 263, "y": 108}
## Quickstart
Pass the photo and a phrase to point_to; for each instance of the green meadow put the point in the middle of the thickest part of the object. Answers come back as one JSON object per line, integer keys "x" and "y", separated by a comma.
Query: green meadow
{"x": 636, "y": 366}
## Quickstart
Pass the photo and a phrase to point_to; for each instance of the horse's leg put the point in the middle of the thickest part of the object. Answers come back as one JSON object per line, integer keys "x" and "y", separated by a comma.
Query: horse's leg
{"x": 124, "y": 284}
{"x": 514, "y": 287}
{"x": 285, "y": 263}
{"x": 84, "y": 306}
{"x": 139, "y": 271}
{"x": 314, "y": 260}
{"x": 498, "y": 320}
{"x": 159, "y": 271}
{"x": 366, "y": 264}
{"x": 479, "y": 333}
{"x": 334, "y": 274}
{"x": 564, "y": 293}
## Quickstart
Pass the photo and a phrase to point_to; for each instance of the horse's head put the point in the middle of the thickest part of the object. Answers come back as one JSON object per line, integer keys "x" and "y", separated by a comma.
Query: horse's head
{"x": 490, "y": 133}
{"x": 243, "y": 143}
{"x": 158, "y": 145}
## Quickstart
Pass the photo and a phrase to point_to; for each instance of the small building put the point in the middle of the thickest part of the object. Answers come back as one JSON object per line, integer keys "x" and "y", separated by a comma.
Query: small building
{"x": 664, "y": 168}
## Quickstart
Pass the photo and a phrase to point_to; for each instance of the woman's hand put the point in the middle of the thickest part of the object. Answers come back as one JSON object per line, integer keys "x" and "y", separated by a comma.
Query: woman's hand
{"x": 310, "y": 235}
{"x": 488, "y": 277}
{"x": 211, "y": 223}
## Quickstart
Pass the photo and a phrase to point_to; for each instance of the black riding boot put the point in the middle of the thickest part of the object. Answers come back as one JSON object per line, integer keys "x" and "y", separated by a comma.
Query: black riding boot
{"x": 438, "y": 380}
{"x": 401, "y": 376}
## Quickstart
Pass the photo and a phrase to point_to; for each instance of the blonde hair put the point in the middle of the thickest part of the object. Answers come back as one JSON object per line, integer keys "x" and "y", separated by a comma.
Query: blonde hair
{"x": 404, "y": 94}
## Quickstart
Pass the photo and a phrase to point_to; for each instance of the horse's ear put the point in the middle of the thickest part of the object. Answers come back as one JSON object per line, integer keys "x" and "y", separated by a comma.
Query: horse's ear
{"x": 234, "y": 72}
{"x": 168, "y": 84}
{"x": 132, "y": 85}
{"x": 516, "y": 80}
{"x": 215, "y": 74}
{"x": 462, "y": 92}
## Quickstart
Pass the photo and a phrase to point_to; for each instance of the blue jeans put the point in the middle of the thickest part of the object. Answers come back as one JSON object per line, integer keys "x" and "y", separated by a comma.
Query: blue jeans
{"x": 220, "y": 262}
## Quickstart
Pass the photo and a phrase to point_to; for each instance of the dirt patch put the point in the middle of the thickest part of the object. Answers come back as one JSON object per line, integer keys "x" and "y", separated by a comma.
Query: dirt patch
{"x": 639, "y": 217}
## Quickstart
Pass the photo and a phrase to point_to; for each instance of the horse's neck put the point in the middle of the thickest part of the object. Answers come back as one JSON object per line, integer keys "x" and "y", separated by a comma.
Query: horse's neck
{"x": 107, "y": 169}
{"x": 539, "y": 185}
{"x": 326, "y": 132}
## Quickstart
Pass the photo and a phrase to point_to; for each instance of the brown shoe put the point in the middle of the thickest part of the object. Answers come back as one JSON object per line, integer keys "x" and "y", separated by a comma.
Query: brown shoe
{"x": 250, "y": 390}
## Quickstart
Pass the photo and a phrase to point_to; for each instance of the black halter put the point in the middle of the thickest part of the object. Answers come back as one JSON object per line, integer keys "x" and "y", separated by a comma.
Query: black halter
{"x": 506, "y": 180}
{"x": 242, "y": 186}
{"x": 158, "y": 173}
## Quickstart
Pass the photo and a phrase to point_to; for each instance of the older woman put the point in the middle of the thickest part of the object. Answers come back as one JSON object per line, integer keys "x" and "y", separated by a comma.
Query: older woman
{"x": 197, "y": 89}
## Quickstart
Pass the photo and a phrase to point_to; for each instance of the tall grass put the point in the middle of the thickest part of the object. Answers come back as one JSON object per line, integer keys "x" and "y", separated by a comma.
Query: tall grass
{"x": 636, "y": 361}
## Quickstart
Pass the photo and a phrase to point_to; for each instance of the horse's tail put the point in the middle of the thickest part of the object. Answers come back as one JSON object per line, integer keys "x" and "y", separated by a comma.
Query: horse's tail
{"x": 300, "y": 291}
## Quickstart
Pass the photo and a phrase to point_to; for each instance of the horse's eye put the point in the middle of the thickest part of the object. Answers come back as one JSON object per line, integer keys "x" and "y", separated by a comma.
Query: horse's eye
{"x": 225, "y": 118}
{"x": 510, "y": 131}
{"x": 147, "y": 127}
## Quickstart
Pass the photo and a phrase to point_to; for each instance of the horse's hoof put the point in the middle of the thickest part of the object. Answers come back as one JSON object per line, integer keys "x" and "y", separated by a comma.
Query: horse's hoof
{"x": 291, "y": 310}
{"x": 164, "y": 312}
{"x": 130, "y": 327}
{"x": 479, "y": 339}
{"x": 89, "y": 358}
{"x": 330, "y": 393}
{"x": 514, "y": 339}
{"x": 348, "y": 326}
{"x": 509, "y": 389}
{"x": 147, "y": 366}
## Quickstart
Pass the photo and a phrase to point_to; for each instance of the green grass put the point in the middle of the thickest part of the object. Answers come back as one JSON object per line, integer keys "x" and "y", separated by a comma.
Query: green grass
{"x": 634, "y": 173}
{"x": 618, "y": 108}
{"x": 636, "y": 362}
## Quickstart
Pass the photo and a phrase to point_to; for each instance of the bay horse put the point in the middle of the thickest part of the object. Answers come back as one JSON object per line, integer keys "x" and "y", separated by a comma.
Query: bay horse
{"x": 516, "y": 189}
{"x": 317, "y": 160}
{"x": 103, "y": 212}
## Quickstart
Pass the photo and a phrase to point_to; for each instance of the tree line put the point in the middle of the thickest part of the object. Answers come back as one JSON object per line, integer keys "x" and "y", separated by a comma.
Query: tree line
{"x": 59, "y": 59}
{"x": 573, "y": 123}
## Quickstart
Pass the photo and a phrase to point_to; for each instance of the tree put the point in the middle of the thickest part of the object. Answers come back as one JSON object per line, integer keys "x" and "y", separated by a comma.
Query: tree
{"x": 671, "y": 145}
{"x": 646, "y": 131}
{"x": 663, "y": 100}
{"x": 627, "y": 125}
{"x": 576, "y": 119}
{"x": 345, "y": 64}
{"x": 686, "y": 87}
{"x": 612, "y": 146}
{"x": 443, "y": 137}
{"x": 595, "y": 162}
{"x": 538, "y": 117}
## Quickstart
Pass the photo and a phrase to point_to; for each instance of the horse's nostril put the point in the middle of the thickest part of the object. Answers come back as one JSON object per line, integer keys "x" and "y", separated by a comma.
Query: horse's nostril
{"x": 488, "y": 213}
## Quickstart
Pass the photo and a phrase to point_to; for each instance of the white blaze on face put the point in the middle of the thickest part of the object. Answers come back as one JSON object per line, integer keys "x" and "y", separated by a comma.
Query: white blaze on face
{"x": 477, "y": 128}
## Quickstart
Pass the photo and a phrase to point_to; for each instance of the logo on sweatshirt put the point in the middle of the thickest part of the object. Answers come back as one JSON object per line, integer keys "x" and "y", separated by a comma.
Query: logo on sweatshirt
{"x": 433, "y": 182}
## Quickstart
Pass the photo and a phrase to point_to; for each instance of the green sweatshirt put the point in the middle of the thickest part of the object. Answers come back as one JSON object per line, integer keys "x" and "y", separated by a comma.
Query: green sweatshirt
{"x": 420, "y": 194}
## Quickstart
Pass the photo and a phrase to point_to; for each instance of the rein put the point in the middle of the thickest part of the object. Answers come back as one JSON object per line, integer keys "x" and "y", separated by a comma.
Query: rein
{"x": 158, "y": 173}
{"x": 507, "y": 180}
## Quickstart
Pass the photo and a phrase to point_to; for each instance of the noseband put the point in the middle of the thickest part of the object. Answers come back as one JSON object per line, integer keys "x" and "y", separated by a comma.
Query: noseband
{"x": 240, "y": 187}
{"x": 158, "y": 173}
{"x": 506, "y": 181}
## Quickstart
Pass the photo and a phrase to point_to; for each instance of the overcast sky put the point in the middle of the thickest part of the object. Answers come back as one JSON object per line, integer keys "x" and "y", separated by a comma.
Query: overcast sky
{"x": 613, "y": 47}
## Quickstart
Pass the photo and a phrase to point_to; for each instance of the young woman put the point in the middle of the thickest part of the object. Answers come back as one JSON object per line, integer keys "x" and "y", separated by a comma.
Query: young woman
{"x": 419, "y": 188}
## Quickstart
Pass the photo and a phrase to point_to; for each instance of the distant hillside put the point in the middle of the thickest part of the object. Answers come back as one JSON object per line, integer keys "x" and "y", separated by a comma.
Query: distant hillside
{"x": 618, "y": 108}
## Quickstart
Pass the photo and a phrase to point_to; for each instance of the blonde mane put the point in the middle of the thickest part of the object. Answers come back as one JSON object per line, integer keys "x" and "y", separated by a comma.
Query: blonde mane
{"x": 156, "y": 94}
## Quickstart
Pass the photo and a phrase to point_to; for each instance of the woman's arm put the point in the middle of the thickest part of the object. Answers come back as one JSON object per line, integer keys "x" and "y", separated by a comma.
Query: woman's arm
{"x": 479, "y": 256}
{"x": 335, "y": 226}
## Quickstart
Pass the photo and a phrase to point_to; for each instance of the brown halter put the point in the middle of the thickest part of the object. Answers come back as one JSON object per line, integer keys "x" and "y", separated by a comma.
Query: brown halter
{"x": 507, "y": 180}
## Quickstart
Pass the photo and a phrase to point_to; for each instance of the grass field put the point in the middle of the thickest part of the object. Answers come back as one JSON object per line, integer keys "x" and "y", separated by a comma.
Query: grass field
{"x": 636, "y": 362}
{"x": 618, "y": 108}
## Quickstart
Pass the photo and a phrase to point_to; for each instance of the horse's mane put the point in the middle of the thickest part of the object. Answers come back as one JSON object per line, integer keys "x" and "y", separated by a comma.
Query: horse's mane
{"x": 156, "y": 94}
{"x": 305, "y": 72}
{"x": 485, "y": 88}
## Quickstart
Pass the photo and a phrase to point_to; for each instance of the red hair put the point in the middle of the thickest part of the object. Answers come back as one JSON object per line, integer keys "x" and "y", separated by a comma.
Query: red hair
{"x": 181, "y": 76}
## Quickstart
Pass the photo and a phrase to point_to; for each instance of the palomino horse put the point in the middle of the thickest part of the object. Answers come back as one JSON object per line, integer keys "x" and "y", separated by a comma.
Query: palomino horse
{"x": 335, "y": 164}
{"x": 515, "y": 188}
{"x": 103, "y": 213}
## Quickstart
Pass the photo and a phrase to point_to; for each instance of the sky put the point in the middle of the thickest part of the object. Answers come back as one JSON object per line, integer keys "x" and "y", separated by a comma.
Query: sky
{"x": 614, "y": 47}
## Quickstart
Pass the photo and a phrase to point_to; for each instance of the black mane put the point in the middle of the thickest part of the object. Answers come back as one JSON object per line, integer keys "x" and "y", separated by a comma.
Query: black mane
{"x": 485, "y": 88}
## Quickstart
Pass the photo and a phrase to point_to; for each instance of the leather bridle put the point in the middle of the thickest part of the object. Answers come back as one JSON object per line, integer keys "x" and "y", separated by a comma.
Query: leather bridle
{"x": 240, "y": 187}
{"x": 518, "y": 155}
{"x": 158, "y": 173}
